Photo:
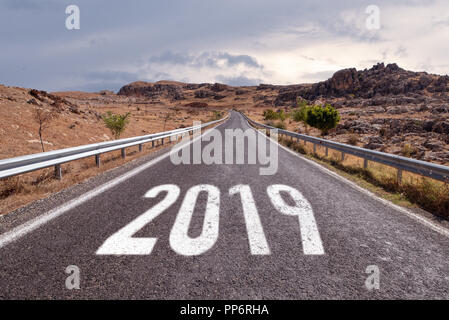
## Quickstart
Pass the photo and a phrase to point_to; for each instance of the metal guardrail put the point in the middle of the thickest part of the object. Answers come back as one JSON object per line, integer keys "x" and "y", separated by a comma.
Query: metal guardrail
{"x": 427, "y": 169}
{"x": 23, "y": 164}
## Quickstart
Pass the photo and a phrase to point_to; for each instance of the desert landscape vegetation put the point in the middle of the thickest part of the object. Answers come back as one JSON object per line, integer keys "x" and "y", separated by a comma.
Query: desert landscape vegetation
{"x": 384, "y": 108}
{"x": 75, "y": 118}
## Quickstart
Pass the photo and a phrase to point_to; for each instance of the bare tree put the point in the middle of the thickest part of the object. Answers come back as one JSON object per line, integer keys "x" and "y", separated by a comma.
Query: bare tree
{"x": 167, "y": 117}
{"x": 43, "y": 119}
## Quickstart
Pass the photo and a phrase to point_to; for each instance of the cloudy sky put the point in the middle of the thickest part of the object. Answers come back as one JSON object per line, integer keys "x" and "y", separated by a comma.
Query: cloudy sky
{"x": 238, "y": 42}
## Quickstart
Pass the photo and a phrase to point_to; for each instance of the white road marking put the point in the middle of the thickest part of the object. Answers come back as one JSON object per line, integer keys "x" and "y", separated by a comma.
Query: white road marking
{"x": 33, "y": 224}
{"x": 311, "y": 240}
{"x": 180, "y": 241}
{"x": 122, "y": 241}
{"x": 256, "y": 236}
{"x": 418, "y": 218}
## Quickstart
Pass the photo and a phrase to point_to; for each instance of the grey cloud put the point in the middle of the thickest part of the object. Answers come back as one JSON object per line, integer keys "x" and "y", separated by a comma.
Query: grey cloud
{"x": 240, "y": 59}
{"x": 401, "y": 52}
{"x": 319, "y": 76}
{"x": 338, "y": 26}
{"x": 100, "y": 80}
{"x": 172, "y": 58}
{"x": 195, "y": 33}
{"x": 28, "y": 4}
{"x": 205, "y": 59}
{"x": 238, "y": 81}
{"x": 111, "y": 76}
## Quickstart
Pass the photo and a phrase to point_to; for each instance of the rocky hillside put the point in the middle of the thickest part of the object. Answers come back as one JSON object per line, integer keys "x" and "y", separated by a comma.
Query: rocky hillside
{"x": 386, "y": 107}
{"x": 378, "y": 85}
{"x": 76, "y": 118}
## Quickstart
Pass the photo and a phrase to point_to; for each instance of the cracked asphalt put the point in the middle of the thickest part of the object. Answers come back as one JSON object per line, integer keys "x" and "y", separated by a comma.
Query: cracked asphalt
{"x": 356, "y": 231}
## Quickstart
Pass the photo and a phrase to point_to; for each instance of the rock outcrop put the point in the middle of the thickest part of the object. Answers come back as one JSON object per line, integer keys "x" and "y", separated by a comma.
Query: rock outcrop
{"x": 379, "y": 81}
{"x": 152, "y": 90}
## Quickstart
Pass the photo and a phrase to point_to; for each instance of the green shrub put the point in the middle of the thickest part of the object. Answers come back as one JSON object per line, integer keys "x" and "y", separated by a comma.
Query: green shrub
{"x": 217, "y": 115}
{"x": 299, "y": 115}
{"x": 323, "y": 118}
{"x": 301, "y": 103}
{"x": 269, "y": 114}
{"x": 281, "y": 115}
{"x": 116, "y": 122}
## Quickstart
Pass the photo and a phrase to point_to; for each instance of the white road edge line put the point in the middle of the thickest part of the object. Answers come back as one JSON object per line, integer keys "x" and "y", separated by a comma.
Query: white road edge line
{"x": 424, "y": 221}
{"x": 33, "y": 224}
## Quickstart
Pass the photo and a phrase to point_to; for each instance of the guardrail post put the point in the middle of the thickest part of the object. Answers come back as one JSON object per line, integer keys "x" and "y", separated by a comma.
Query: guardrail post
{"x": 152, "y": 144}
{"x": 314, "y": 148}
{"x": 58, "y": 172}
{"x": 399, "y": 177}
{"x": 162, "y": 141}
{"x": 327, "y": 151}
{"x": 140, "y": 148}
{"x": 97, "y": 160}
{"x": 343, "y": 156}
{"x": 365, "y": 163}
{"x": 123, "y": 153}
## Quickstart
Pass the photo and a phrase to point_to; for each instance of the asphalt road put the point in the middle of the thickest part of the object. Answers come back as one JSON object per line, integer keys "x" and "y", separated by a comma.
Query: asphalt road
{"x": 321, "y": 254}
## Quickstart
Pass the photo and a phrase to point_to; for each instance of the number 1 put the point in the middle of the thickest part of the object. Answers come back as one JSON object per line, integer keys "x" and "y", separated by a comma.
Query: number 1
{"x": 257, "y": 241}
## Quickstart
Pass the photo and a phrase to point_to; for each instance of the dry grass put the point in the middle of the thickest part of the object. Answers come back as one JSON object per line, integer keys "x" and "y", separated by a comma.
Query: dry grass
{"x": 409, "y": 144}
{"x": 18, "y": 191}
{"x": 353, "y": 139}
{"x": 19, "y": 136}
{"x": 428, "y": 194}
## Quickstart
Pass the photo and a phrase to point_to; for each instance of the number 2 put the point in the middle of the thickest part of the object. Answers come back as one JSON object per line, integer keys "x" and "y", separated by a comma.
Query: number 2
{"x": 121, "y": 242}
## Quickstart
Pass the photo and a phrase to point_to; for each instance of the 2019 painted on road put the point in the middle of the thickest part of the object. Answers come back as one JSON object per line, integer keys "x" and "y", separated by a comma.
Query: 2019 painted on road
{"x": 122, "y": 242}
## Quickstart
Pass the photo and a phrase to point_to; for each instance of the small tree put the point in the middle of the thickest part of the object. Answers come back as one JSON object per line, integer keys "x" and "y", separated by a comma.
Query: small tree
{"x": 300, "y": 114}
{"x": 269, "y": 114}
{"x": 43, "y": 119}
{"x": 116, "y": 122}
{"x": 323, "y": 118}
{"x": 282, "y": 115}
{"x": 301, "y": 103}
{"x": 217, "y": 115}
{"x": 166, "y": 118}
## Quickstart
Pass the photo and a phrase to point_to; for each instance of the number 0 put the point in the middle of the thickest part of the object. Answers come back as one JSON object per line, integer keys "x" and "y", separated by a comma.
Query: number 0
{"x": 180, "y": 241}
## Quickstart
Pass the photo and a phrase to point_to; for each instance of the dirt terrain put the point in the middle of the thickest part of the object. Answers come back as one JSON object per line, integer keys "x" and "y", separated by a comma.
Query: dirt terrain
{"x": 78, "y": 118}
{"x": 77, "y": 121}
{"x": 383, "y": 108}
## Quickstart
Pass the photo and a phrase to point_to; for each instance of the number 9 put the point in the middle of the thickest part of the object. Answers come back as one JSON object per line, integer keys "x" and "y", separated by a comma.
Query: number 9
{"x": 311, "y": 241}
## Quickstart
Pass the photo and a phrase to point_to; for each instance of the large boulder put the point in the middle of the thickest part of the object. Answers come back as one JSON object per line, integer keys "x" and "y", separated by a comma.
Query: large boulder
{"x": 202, "y": 93}
{"x": 171, "y": 91}
{"x": 441, "y": 127}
